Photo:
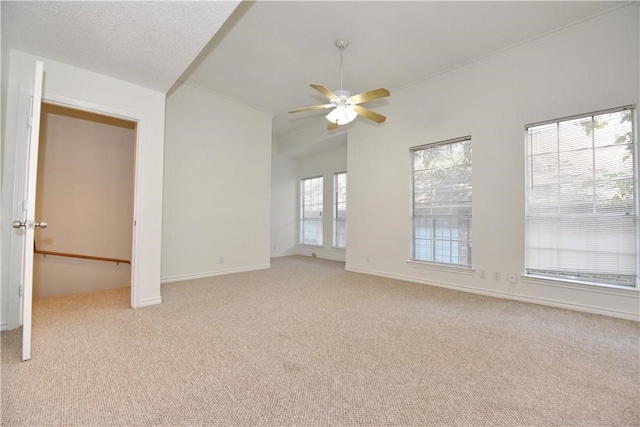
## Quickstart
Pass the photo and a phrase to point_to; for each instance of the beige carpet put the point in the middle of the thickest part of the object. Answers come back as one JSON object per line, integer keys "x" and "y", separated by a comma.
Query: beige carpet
{"x": 306, "y": 343}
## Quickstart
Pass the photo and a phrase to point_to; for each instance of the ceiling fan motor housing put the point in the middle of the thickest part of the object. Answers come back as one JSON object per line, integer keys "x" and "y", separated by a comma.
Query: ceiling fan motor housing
{"x": 342, "y": 94}
{"x": 342, "y": 44}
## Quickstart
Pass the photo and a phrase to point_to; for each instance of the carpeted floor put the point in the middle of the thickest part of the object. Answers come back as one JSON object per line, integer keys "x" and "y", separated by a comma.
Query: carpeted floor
{"x": 306, "y": 343}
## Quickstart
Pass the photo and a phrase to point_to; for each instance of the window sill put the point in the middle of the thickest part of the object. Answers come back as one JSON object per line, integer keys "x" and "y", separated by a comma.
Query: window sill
{"x": 308, "y": 245}
{"x": 458, "y": 269}
{"x": 338, "y": 247}
{"x": 575, "y": 284}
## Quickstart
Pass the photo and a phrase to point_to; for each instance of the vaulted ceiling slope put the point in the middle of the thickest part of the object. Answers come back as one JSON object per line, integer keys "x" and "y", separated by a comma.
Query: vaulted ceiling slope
{"x": 266, "y": 53}
{"x": 146, "y": 43}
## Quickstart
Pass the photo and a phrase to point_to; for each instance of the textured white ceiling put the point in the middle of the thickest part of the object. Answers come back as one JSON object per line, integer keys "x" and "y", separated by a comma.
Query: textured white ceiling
{"x": 268, "y": 52}
{"x": 146, "y": 43}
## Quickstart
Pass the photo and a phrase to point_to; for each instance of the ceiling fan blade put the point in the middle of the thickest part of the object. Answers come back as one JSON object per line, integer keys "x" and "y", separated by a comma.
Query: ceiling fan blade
{"x": 314, "y": 107}
{"x": 323, "y": 90}
{"x": 369, "y": 95}
{"x": 332, "y": 126}
{"x": 371, "y": 115}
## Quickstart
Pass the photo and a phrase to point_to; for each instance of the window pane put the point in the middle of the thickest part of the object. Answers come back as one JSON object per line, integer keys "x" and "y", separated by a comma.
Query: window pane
{"x": 442, "y": 198}
{"x": 340, "y": 210}
{"x": 581, "y": 219}
{"x": 311, "y": 209}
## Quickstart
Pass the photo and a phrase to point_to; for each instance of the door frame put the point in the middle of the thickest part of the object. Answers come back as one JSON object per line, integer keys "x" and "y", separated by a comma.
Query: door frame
{"x": 118, "y": 113}
{"x": 15, "y": 299}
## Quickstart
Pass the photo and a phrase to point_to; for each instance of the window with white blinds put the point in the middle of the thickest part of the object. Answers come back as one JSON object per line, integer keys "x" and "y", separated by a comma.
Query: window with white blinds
{"x": 581, "y": 198}
{"x": 442, "y": 197}
{"x": 340, "y": 210}
{"x": 311, "y": 210}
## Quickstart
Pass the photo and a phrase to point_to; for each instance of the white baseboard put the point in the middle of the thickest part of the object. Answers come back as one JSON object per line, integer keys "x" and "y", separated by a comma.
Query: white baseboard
{"x": 578, "y": 307}
{"x": 184, "y": 277}
{"x": 322, "y": 256}
{"x": 283, "y": 254}
{"x": 149, "y": 302}
{"x": 328, "y": 257}
{"x": 523, "y": 298}
{"x": 308, "y": 254}
{"x": 4, "y": 327}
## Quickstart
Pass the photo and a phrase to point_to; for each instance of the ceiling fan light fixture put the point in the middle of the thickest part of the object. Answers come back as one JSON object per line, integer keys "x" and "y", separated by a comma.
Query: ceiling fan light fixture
{"x": 345, "y": 105}
{"x": 342, "y": 114}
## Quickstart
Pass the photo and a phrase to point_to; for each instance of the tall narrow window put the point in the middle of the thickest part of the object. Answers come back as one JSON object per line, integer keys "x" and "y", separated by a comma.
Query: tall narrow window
{"x": 340, "y": 210}
{"x": 581, "y": 212}
{"x": 311, "y": 211}
{"x": 442, "y": 197}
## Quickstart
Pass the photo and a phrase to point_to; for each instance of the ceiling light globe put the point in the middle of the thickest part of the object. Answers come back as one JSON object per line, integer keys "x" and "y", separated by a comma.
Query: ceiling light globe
{"x": 341, "y": 115}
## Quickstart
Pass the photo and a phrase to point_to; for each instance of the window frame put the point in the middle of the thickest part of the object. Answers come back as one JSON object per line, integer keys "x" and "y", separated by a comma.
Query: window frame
{"x": 530, "y": 273}
{"x": 413, "y": 261}
{"x": 301, "y": 210}
{"x": 335, "y": 210}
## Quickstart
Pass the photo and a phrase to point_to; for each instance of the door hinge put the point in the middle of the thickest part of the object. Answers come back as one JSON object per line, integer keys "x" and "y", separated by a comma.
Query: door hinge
{"x": 30, "y": 121}
{"x": 21, "y": 291}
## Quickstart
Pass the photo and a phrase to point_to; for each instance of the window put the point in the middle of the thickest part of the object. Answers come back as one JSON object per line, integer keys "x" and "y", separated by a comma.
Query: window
{"x": 581, "y": 213}
{"x": 442, "y": 202}
{"x": 340, "y": 210}
{"x": 311, "y": 211}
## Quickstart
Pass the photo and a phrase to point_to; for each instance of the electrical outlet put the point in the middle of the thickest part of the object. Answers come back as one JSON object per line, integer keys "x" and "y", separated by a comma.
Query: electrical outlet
{"x": 366, "y": 258}
{"x": 221, "y": 260}
{"x": 496, "y": 275}
{"x": 483, "y": 274}
{"x": 513, "y": 278}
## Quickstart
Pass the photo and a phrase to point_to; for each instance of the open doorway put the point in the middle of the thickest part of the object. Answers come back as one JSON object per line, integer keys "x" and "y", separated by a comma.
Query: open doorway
{"x": 85, "y": 192}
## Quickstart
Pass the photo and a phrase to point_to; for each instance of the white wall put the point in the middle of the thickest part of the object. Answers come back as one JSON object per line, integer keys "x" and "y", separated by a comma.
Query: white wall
{"x": 299, "y": 155}
{"x": 324, "y": 164}
{"x": 217, "y": 186}
{"x": 4, "y": 80}
{"x": 584, "y": 68}
{"x": 85, "y": 191}
{"x": 587, "y": 67}
{"x": 284, "y": 202}
{"x": 307, "y": 153}
{"x": 80, "y": 88}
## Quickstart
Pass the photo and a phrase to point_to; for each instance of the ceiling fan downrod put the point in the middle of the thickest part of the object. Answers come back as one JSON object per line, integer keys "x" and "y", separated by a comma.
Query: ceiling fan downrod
{"x": 342, "y": 45}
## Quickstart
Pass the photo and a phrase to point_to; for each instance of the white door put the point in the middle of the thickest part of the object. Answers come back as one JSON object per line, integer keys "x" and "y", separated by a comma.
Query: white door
{"x": 28, "y": 223}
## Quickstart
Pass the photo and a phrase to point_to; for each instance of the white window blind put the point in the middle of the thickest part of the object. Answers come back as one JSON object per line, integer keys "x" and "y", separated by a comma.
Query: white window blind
{"x": 311, "y": 210}
{"x": 581, "y": 198}
{"x": 340, "y": 210}
{"x": 442, "y": 198}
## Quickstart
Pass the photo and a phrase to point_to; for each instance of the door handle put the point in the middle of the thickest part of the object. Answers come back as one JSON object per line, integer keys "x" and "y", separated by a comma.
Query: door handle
{"x": 29, "y": 224}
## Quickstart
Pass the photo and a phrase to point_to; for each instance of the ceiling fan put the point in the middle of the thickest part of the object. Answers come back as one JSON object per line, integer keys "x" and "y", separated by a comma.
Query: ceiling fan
{"x": 345, "y": 105}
